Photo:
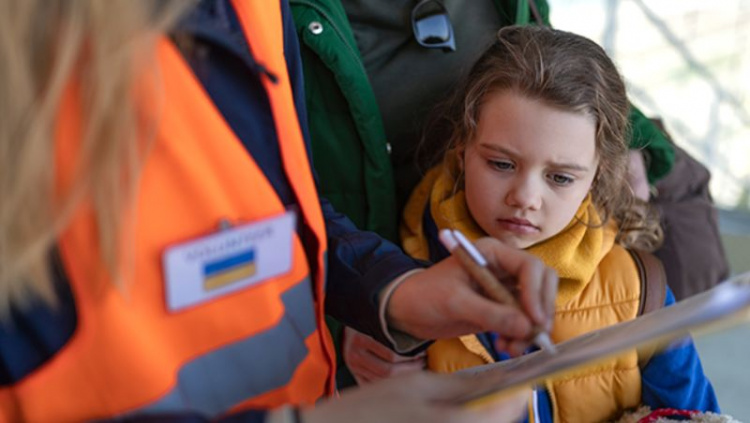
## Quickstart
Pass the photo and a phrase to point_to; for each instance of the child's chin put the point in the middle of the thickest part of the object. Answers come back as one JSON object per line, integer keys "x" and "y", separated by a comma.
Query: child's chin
{"x": 518, "y": 243}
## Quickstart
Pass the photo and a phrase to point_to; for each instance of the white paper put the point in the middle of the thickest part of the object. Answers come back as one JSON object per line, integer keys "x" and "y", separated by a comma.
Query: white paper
{"x": 724, "y": 301}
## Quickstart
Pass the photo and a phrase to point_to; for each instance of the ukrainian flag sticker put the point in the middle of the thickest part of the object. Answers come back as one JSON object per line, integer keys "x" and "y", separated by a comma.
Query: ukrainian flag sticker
{"x": 224, "y": 272}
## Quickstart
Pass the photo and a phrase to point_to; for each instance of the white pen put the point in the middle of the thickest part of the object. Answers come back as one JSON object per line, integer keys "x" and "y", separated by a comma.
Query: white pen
{"x": 476, "y": 265}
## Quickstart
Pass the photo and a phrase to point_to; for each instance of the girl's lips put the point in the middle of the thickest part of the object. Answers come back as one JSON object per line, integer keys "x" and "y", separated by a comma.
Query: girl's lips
{"x": 518, "y": 226}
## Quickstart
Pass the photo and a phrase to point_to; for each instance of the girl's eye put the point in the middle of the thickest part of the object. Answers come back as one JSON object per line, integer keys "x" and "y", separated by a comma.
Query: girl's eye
{"x": 560, "y": 179}
{"x": 501, "y": 165}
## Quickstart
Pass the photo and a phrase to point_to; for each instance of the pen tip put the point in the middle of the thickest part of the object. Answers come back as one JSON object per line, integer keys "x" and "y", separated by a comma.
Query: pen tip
{"x": 448, "y": 239}
{"x": 543, "y": 341}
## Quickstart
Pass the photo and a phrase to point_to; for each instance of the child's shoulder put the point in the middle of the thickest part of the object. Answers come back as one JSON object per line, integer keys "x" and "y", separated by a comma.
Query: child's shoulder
{"x": 618, "y": 264}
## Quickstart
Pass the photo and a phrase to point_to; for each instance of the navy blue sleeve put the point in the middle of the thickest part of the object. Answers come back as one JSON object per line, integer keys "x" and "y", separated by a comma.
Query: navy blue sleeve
{"x": 33, "y": 335}
{"x": 674, "y": 378}
{"x": 360, "y": 263}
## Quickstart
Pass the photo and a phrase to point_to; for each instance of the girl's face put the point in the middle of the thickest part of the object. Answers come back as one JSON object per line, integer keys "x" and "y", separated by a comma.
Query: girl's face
{"x": 528, "y": 168}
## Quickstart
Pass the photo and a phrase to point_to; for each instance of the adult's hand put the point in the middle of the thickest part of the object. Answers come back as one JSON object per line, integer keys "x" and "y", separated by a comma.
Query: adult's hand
{"x": 413, "y": 398}
{"x": 443, "y": 301}
{"x": 369, "y": 360}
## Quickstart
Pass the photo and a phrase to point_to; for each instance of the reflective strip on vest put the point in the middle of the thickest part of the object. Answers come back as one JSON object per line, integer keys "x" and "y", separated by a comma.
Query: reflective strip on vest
{"x": 213, "y": 383}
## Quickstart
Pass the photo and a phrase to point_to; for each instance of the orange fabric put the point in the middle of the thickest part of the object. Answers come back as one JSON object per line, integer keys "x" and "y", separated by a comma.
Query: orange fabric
{"x": 450, "y": 355}
{"x": 128, "y": 347}
{"x": 263, "y": 23}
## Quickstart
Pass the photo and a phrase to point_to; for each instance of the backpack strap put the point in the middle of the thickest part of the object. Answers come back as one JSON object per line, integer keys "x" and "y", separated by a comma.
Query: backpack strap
{"x": 653, "y": 281}
{"x": 653, "y": 291}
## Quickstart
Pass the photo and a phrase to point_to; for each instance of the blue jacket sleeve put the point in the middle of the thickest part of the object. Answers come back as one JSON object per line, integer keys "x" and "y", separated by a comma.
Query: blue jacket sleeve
{"x": 674, "y": 378}
{"x": 360, "y": 265}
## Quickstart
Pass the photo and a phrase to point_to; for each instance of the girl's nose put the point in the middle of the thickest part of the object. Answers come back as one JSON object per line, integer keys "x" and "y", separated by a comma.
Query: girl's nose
{"x": 524, "y": 194}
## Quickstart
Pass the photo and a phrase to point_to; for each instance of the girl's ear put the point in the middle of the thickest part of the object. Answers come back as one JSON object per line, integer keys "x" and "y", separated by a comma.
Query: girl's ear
{"x": 461, "y": 157}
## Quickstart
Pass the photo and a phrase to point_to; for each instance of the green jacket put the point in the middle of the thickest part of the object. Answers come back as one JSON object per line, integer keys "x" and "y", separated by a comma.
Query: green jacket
{"x": 349, "y": 146}
{"x": 646, "y": 135}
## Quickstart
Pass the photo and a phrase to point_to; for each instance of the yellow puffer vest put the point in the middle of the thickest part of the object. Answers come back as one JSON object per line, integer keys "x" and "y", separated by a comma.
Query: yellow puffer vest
{"x": 591, "y": 394}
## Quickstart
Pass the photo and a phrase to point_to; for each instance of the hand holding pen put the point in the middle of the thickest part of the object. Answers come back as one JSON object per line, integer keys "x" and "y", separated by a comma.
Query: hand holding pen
{"x": 477, "y": 266}
{"x": 445, "y": 301}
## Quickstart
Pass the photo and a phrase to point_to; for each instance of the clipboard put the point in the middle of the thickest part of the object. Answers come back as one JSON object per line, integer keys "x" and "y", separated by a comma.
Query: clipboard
{"x": 725, "y": 304}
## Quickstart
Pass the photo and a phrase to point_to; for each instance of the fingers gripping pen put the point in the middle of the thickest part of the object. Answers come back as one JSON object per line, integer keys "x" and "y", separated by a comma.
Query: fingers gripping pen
{"x": 474, "y": 263}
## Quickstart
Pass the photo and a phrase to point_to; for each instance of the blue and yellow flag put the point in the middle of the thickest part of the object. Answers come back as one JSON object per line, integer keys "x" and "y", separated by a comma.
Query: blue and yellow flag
{"x": 226, "y": 271}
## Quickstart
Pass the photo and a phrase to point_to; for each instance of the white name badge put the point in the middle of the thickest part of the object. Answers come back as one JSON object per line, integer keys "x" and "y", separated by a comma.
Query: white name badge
{"x": 227, "y": 261}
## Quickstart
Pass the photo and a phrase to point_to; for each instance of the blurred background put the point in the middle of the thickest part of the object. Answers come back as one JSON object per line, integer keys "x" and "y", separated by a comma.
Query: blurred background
{"x": 688, "y": 62}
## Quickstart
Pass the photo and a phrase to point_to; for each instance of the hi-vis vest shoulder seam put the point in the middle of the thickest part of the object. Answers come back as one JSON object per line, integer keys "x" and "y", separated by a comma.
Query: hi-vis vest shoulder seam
{"x": 258, "y": 347}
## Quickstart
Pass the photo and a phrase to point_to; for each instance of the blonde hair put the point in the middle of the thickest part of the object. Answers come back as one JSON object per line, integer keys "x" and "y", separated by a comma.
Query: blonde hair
{"x": 45, "y": 44}
{"x": 569, "y": 72}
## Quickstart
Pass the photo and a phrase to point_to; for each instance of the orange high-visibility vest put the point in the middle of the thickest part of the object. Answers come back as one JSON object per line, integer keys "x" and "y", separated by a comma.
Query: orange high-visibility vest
{"x": 259, "y": 347}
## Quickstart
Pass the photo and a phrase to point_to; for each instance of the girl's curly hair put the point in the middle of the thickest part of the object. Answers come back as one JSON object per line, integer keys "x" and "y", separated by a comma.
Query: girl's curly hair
{"x": 566, "y": 71}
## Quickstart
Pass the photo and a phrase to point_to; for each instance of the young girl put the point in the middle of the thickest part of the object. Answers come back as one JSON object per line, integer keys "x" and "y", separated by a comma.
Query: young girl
{"x": 534, "y": 154}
